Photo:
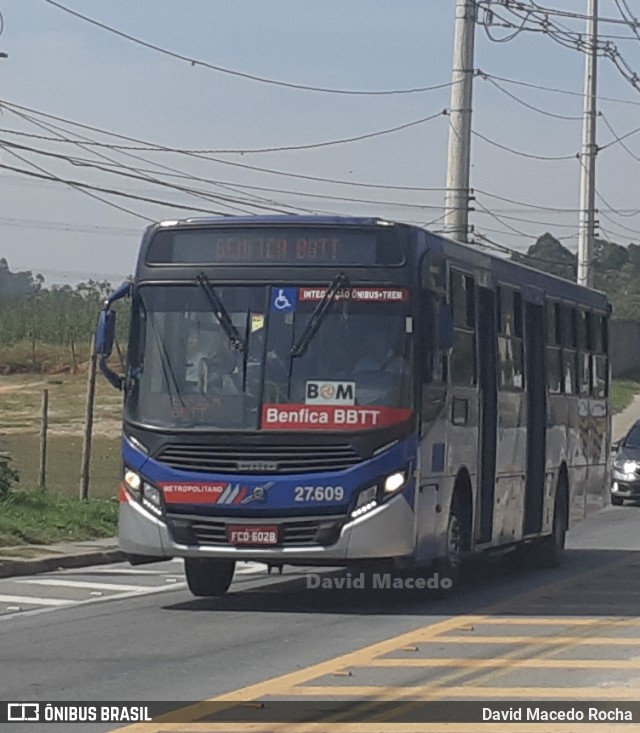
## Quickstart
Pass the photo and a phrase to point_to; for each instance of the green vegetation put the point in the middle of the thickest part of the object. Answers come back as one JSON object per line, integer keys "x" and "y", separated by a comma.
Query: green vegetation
{"x": 616, "y": 270}
{"x": 8, "y": 476}
{"x": 47, "y": 329}
{"x": 32, "y": 517}
{"x": 622, "y": 393}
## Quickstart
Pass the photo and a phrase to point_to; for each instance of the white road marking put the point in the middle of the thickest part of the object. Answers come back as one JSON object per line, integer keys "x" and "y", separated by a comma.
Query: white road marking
{"x": 246, "y": 569}
{"x": 35, "y": 601}
{"x": 127, "y": 571}
{"x": 83, "y": 584}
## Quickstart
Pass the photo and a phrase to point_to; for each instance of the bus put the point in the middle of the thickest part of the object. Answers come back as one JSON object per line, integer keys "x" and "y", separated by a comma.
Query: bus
{"x": 352, "y": 392}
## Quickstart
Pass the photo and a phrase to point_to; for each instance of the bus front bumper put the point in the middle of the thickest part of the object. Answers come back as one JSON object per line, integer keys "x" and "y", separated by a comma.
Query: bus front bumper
{"x": 385, "y": 532}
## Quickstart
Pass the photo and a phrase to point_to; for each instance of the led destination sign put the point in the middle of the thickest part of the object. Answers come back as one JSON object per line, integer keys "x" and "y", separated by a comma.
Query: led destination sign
{"x": 282, "y": 246}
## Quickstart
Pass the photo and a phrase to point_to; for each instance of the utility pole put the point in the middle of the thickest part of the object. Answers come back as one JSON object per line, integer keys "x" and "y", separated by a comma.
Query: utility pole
{"x": 456, "y": 217}
{"x": 589, "y": 151}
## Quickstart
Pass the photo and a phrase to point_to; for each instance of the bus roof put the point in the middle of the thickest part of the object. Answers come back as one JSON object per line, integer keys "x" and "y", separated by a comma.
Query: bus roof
{"x": 503, "y": 269}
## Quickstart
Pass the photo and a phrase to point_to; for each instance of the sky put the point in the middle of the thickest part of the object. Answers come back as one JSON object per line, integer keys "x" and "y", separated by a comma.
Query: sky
{"x": 65, "y": 67}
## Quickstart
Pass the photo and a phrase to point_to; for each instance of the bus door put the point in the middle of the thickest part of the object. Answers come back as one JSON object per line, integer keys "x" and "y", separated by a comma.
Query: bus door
{"x": 536, "y": 416}
{"x": 489, "y": 410}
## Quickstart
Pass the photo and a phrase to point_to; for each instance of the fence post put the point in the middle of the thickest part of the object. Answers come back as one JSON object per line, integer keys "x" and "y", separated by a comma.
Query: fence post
{"x": 44, "y": 424}
{"x": 88, "y": 426}
{"x": 72, "y": 344}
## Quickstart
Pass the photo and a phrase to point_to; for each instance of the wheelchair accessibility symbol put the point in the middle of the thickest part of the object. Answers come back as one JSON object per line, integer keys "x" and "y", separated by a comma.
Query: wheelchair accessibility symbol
{"x": 283, "y": 300}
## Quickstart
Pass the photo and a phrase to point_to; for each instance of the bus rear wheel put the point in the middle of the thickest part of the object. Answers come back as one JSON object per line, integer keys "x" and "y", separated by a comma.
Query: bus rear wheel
{"x": 549, "y": 551}
{"x": 207, "y": 577}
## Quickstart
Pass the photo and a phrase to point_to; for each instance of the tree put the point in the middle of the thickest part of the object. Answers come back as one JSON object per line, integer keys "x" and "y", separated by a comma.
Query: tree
{"x": 550, "y": 255}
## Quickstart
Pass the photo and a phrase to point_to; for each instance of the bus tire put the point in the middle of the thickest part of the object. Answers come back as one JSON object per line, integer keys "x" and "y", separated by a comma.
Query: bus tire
{"x": 549, "y": 551}
{"x": 617, "y": 500}
{"x": 207, "y": 577}
{"x": 449, "y": 567}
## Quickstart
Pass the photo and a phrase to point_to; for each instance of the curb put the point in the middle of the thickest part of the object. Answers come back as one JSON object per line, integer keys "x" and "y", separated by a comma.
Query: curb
{"x": 10, "y": 567}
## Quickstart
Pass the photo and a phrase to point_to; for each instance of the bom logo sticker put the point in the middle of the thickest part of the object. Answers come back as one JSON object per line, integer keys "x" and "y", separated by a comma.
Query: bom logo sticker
{"x": 330, "y": 393}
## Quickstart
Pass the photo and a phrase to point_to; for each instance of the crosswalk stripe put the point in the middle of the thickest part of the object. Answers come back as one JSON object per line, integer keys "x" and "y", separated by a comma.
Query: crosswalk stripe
{"x": 129, "y": 571}
{"x": 82, "y": 584}
{"x": 30, "y": 600}
{"x": 246, "y": 569}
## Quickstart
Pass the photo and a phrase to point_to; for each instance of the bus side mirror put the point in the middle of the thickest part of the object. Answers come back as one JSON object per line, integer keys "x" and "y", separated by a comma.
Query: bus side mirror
{"x": 105, "y": 333}
{"x": 445, "y": 325}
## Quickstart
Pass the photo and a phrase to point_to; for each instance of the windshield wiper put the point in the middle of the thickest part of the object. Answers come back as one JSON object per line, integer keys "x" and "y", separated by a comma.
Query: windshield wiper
{"x": 220, "y": 312}
{"x": 338, "y": 282}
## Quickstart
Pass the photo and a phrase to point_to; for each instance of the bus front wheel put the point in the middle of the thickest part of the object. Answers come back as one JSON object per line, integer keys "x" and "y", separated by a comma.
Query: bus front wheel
{"x": 448, "y": 568}
{"x": 208, "y": 577}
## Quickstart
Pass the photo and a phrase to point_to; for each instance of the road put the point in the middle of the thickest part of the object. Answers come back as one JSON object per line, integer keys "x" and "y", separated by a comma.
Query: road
{"x": 118, "y": 633}
{"x": 570, "y": 633}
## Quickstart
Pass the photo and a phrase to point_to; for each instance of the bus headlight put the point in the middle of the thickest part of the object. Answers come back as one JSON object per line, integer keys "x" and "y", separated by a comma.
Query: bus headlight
{"x": 152, "y": 499}
{"x": 395, "y": 481}
{"x": 133, "y": 481}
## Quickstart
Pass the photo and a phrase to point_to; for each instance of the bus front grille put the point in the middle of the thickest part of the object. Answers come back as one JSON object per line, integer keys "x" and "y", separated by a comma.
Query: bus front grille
{"x": 258, "y": 459}
{"x": 322, "y": 531}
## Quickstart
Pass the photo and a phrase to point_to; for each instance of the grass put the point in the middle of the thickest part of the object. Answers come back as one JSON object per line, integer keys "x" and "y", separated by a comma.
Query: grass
{"x": 32, "y": 517}
{"x": 20, "y": 405}
{"x": 27, "y": 357}
{"x": 622, "y": 393}
{"x": 56, "y": 515}
{"x": 64, "y": 458}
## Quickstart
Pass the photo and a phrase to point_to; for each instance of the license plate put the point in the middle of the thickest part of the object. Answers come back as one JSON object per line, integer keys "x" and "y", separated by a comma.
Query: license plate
{"x": 251, "y": 534}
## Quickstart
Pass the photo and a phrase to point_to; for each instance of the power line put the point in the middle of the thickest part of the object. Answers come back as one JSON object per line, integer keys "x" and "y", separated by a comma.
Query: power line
{"x": 522, "y": 153}
{"x": 50, "y": 225}
{"x": 82, "y": 188}
{"x": 206, "y": 195}
{"x": 87, "y": 188}
{"x": 555, "y": 90}
{"x": 276, "y": 149}
{"x": 618, "y": 138}
{"x": 233, "y": 72}
{"x": 509, "y": 250}
{"x": 530, "y": 106}
{"x": 98, "y": 154}
{"x": 162, "y": 148}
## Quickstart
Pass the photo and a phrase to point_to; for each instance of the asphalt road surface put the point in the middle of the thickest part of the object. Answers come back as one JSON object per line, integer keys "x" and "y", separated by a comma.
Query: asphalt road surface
{"x": 135, "y": 634}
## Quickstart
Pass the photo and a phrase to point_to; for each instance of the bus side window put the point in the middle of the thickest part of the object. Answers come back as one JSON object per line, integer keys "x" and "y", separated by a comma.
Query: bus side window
{"x": 554, "y": 361}
{"x": 436, "y": 335}
{"x": 463, "y": 356}
{"x": 431, "y": 313}
{"x": 584, "y": 356}
{"x": 510, "y": 346}
{"x": 600, "y": 364}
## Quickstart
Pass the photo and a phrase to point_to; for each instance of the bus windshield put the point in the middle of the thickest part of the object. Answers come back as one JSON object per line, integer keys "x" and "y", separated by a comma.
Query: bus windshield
{"x": 186, "y": 373}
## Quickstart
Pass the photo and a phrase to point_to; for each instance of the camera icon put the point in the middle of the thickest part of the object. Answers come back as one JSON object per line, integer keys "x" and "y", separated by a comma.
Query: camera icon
{"x": 23, "y": 712}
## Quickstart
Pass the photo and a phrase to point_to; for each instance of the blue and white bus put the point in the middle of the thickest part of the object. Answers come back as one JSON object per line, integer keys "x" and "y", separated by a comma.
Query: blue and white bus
{"x": 352, "y": 392}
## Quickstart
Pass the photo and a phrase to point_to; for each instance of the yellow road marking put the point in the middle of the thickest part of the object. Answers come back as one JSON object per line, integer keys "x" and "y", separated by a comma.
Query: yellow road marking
{"x": 298, "y": 677}
{"x": 509, "y": 659}
{"x": 282, "y": 685}
{"x": 600, "y": 641}
{"x": 528, "y": 619}
{"x": 491, "y": 663}
{"x": 475, "y": 693}
{"x": 399, "y": 728}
